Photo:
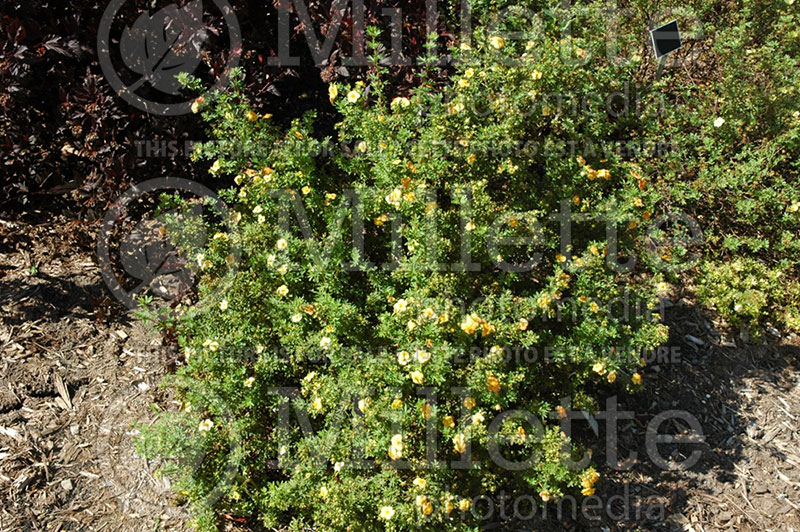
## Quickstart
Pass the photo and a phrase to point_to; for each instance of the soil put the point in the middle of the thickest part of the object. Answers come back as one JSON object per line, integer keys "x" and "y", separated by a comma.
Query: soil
{"x": 78, "y": 372}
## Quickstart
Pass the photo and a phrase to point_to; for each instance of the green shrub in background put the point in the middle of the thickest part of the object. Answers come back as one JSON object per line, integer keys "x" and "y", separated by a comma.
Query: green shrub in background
{"x": 735, "y": 117}
{"x": 387, "y": 349}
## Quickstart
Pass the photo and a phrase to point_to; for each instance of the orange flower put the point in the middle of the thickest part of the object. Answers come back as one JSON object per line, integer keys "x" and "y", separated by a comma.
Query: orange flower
{"x": 493, "y": 384}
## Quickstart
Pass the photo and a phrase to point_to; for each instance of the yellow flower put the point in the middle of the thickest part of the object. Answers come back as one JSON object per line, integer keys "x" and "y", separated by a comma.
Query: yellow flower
{"x": 317, "y": 404}
{"x": 403, "y": 358}
{"x": 420, "y": 483}
{"x": 636, "y": 378}
{"x": 387, "y": 512}
{"x": 205, "y": 425}
{"x": 459, "y": 443}
{"x": 472, "y": 158}
{"x": 353, "y": 96}
{"x": 394, "y": 197}
{"x": 412, "y": 325}
{"x": 282, "y": 290}
{"x": 197, "y": 103}
{"x": 594, "y": 307}
{"x": 363, "y": 404}
{"x": 325, "y": 342}
{"x": 426, "y": 410}
{"x": 603, "y": 174}
{"x": 248, "y": 383}
{"x": 545, "y": 495}
{"x": 493, "y": 384}
{"x": 448, "y": 421}
{"x": 429, "y": 314}
{"x": 215, "y": 167}
{"x": 380, "y": 220}
{"x": 560, "y": 257}
{"x": 468, "y": 73}
{"x": 612, "y": 376}
{"x": 470, "y": 226}
{"x": 213, "y": 345}
{"x": 599, "y": 368}
{"x": 478, "y": 418}
{"x": 281, "y": 244}
{"x": 456, "y": 108}
{"x": 417, "y": 377}
{"x": 471, "y": 323}
{"x": 306, "y": 190}
{"x": 522, "y": 324}
{"x": 464, "y": 505}
{"x": 536, "y": 75}
{"x": 396, "y": 448}
{"x": 587, "y": 491}
{"x": 401, "y": 101}
{"x": 463, "y": 83}
{"x": 469, "y": 403}
{"x": 397, "y": 404}
{"x": 362, "y": 147}
{"x": 251, "y": 116}
{"x": 333, "y": 92}
{"x": 497, "y": 42}
{"x": 401, "y": 306}
{"x": 422, "y": 356}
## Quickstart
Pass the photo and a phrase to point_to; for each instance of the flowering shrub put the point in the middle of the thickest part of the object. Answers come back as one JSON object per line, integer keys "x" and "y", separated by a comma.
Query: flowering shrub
{"x": 360, "y": 364}
{"x": 390, "y": 283}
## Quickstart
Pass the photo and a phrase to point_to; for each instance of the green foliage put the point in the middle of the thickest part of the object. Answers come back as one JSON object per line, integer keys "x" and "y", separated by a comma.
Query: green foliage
{"x": 745, "y": 291}
{"x": 446, "y": 177}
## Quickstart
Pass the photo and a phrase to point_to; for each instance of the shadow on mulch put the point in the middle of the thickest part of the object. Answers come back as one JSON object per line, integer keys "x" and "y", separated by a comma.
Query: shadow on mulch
{"x": 743, "y": 397}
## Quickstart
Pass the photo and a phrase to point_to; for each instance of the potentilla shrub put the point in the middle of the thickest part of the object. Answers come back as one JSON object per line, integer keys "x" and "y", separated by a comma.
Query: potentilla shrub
{"x": 405, "y": 322}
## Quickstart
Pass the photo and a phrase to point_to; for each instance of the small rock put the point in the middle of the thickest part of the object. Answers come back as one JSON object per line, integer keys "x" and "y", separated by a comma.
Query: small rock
{"x": 66, "y": 485}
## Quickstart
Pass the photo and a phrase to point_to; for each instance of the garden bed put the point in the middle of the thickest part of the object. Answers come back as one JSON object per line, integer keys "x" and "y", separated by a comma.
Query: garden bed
{"x": 78, "y": 370}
